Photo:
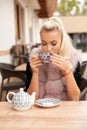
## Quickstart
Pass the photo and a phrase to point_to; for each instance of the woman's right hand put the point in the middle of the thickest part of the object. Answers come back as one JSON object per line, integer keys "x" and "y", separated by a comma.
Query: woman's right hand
{"x": 35, "y": 63}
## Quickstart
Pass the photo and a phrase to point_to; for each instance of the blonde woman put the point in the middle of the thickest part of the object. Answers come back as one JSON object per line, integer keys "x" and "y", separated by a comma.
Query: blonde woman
{"x": 59, "y": 78}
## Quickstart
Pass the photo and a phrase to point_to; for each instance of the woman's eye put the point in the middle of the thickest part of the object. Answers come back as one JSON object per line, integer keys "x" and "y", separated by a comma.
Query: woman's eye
{"x": 44, "y": 44}
{"x": 54, "y": 43}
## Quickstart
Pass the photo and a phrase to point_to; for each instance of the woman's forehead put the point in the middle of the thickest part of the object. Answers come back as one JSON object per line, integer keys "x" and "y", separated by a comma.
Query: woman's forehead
{"x": 51, "y": 34}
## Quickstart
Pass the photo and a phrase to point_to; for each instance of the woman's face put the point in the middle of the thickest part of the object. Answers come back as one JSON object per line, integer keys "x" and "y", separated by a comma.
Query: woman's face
{"x": 51, "y": 41}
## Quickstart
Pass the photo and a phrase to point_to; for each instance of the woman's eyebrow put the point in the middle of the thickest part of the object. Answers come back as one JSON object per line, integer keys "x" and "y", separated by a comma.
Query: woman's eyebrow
{"x": 43, "y": 41}
{"x": 53, "y": 41}
{"x": 50, "y": 41}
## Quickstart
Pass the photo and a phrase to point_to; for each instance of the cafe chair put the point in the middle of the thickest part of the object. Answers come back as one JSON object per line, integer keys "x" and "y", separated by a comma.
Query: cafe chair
{"x": 11, "y": 79}
{"x": 19, "y": 54}
{"x": 83, "y": 94}
{"x": 83, "y": 86}
{"x": 83, "y": 67}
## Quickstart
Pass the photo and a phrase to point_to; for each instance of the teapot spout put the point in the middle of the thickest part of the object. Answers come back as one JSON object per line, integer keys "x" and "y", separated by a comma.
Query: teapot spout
{"x": 32, "y": 98}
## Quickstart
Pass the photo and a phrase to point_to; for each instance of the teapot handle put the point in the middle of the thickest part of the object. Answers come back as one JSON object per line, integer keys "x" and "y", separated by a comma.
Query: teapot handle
{"x": 12, "y": 93}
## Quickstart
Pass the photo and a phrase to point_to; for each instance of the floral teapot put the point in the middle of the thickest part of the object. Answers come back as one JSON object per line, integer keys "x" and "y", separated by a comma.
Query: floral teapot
{"x": 21, "y": 100}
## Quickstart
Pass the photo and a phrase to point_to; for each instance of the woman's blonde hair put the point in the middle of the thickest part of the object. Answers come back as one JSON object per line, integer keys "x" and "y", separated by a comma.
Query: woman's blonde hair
{"x": 55, "y": 23}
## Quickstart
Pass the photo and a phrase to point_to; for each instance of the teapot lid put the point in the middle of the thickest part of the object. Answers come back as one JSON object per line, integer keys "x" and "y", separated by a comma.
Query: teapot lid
{"x": 21, "y": 89}
{"x": 21, "y": 94}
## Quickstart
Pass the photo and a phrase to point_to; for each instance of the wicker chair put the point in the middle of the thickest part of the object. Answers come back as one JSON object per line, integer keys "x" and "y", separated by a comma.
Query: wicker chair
{"x": 8, "y": 73}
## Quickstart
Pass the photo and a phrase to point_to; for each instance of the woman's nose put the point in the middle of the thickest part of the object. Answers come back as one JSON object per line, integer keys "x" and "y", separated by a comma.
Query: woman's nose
{"x": 48, "y": 48}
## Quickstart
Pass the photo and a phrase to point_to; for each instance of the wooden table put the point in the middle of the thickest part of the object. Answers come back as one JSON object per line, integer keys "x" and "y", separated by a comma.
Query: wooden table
{"x": 69, "y": 115}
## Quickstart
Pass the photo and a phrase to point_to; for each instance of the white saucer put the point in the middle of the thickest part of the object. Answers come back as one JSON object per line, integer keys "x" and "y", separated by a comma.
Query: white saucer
{"x": 47, "y": 102}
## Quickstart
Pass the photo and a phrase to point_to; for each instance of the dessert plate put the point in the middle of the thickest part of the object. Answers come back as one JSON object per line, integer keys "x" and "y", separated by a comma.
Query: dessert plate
{"x": 47, "y": 102}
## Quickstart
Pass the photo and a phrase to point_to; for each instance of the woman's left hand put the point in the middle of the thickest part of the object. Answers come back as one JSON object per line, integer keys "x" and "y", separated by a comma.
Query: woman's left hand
{"x": 63, "y": 63}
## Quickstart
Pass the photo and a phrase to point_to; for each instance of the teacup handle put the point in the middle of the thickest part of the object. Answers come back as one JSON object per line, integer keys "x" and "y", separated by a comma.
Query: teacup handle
{"x": 12, "y": 93}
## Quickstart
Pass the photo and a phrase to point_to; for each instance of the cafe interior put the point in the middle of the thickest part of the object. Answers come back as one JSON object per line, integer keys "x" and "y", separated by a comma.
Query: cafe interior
{"x": 20, "y": 24}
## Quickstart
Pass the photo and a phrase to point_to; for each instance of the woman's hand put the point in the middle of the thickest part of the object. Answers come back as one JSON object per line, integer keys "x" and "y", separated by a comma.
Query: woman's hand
{"x": 35, "y": 62}
{"x": 63, "y": 63}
